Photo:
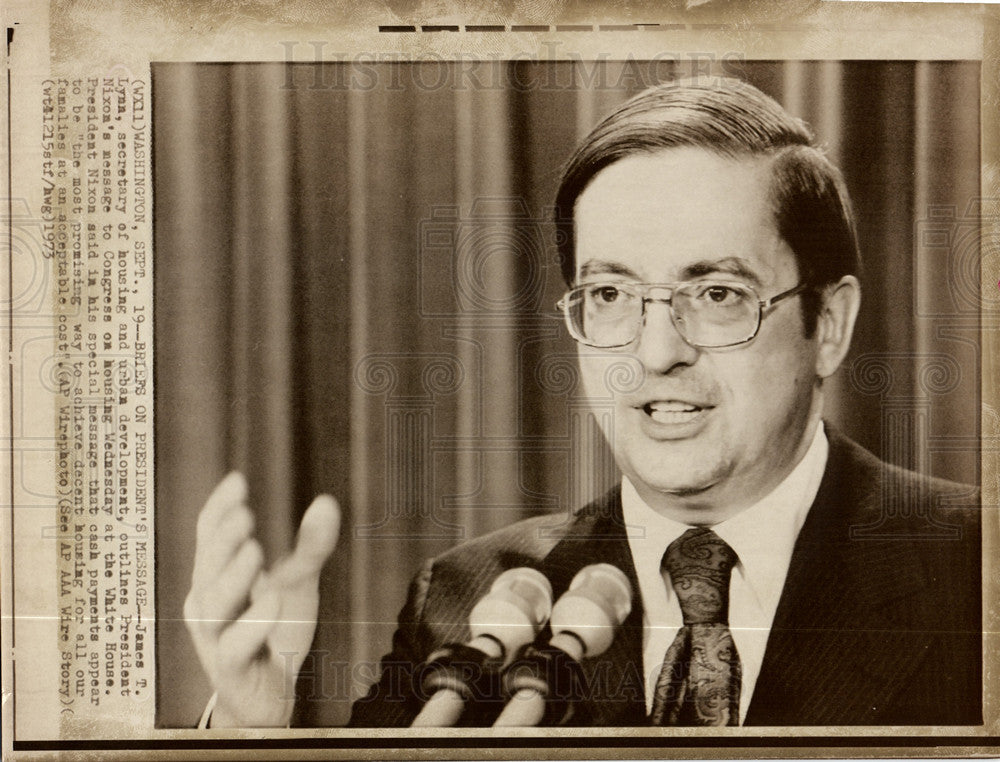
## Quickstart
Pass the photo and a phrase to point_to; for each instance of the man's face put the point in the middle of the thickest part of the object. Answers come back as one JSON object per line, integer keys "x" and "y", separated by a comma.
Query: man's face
{"x": 707, "y": 432}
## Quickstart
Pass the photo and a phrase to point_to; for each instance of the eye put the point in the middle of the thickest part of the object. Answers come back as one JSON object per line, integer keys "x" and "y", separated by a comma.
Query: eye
{"x": 721, "y": 294}
{"x": 605, "y": 294}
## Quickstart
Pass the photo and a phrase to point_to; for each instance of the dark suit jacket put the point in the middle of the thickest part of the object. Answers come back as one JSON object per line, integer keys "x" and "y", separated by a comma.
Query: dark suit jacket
{"x": 879, "y": 622}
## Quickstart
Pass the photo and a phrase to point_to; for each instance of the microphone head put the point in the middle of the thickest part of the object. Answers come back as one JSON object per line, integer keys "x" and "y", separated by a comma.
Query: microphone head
{"x": 514, "y": 610}
{"x": 596, "y": 603}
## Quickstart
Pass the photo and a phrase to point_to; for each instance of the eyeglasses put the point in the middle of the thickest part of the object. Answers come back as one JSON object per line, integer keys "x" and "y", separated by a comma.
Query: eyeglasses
{"x": 707, "y": 314}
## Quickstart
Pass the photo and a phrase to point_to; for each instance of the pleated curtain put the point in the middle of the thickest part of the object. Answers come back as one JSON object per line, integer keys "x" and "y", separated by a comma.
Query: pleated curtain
{"x": 355, "y": 284}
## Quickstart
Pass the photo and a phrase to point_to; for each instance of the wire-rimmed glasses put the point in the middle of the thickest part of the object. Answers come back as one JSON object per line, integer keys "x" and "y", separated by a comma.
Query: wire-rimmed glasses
{"x": 707, "y": 314}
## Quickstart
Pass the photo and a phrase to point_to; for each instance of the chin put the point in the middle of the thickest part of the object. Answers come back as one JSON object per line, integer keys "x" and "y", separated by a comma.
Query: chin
{"x": 685, "y": 491}
{"x": 685, "y": 484}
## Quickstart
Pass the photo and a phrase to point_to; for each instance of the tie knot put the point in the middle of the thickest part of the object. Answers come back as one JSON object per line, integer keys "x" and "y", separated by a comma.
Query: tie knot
{"x": 699, "y": 563}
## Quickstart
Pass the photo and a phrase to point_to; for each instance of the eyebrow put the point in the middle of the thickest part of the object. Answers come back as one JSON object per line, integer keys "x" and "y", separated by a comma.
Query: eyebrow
{"x": 729, "y": 265}
{"x": 604, "y": 267}
{"x": 736, "y": 266}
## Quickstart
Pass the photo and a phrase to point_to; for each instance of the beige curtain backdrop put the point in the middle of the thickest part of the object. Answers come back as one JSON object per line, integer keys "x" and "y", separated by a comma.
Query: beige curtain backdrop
{"x": 355, "y": 289}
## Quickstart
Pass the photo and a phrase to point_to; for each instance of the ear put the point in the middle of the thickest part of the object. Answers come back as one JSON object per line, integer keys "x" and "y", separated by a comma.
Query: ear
{"x": 836, "y": 324}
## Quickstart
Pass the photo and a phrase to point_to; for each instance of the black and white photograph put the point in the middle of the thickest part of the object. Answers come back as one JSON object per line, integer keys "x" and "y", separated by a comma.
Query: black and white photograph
{"x": 694, "y": 343}
{"x": 419, "y": 379}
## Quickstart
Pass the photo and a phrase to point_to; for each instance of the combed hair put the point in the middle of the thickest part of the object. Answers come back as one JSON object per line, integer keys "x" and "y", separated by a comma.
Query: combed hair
{"x": 733, "y": 119}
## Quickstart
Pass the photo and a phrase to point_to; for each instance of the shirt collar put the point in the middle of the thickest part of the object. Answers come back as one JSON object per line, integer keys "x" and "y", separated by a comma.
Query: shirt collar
{"x": 763, "y": 535}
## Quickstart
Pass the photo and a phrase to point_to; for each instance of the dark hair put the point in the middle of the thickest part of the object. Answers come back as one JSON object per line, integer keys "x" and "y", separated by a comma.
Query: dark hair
{"x": 734, "y": 119}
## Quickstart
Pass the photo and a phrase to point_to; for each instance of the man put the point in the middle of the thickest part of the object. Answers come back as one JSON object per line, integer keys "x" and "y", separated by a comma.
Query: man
{"x": 711, "y": 248}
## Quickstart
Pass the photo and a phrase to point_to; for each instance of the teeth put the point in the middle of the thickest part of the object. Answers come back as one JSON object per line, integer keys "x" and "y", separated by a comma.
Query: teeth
{"x": 672, "y": 412}
{"x": 661, "y": 417}
{"x": 671, "y": 407}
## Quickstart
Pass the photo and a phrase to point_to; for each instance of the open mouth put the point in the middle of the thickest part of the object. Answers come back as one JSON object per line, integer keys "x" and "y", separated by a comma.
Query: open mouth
{"x": 671, "y": 411}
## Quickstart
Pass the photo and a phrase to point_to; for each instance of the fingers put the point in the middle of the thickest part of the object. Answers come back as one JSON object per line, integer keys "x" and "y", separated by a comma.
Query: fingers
{"x": 226, "y": 562}
{"x": 212, "y": 607}
{"x": 242, "y": 641}
{"x": 234, "y": 606}
{"x": 224, "y": 524}
{"x": 223, "y": 600}
{"x": 232, "y": 490}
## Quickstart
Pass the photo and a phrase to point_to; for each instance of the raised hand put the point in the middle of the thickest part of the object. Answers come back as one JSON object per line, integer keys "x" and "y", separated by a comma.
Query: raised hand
{"x": 252, "y": 628}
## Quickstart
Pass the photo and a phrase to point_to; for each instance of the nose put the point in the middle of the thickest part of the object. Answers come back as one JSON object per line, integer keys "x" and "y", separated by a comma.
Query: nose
{"x": 661, "y": 347}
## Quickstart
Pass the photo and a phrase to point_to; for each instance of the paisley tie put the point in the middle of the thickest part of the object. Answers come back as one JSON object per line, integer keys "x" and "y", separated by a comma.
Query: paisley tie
{"x": 700, "y": 680}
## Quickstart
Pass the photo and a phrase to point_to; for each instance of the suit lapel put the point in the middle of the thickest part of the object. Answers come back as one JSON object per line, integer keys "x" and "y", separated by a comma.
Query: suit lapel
{"x": 616, "y": 691}
{"x": 835, "y": 654}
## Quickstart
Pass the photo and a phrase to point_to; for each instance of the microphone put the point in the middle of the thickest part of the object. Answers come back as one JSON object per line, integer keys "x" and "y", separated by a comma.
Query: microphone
{"x": 504, "y": 620}
{"x": 546, "y": 681}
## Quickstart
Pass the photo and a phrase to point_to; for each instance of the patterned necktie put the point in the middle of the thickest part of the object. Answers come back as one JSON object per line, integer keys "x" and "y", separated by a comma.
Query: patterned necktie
{"x": 700, "y": 680}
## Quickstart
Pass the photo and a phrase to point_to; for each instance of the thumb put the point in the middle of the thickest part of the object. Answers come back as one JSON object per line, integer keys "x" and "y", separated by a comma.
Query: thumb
{"x": 317, "y": 535}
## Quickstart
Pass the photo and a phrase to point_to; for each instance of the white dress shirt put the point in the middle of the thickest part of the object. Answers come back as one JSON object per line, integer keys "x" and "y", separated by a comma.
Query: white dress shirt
{"x": 763, "y": 537}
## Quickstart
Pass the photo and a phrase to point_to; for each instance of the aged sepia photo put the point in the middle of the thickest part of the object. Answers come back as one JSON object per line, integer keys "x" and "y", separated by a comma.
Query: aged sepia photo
{"x": 710, "y": 324}
{"x": 500, "y": 380}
